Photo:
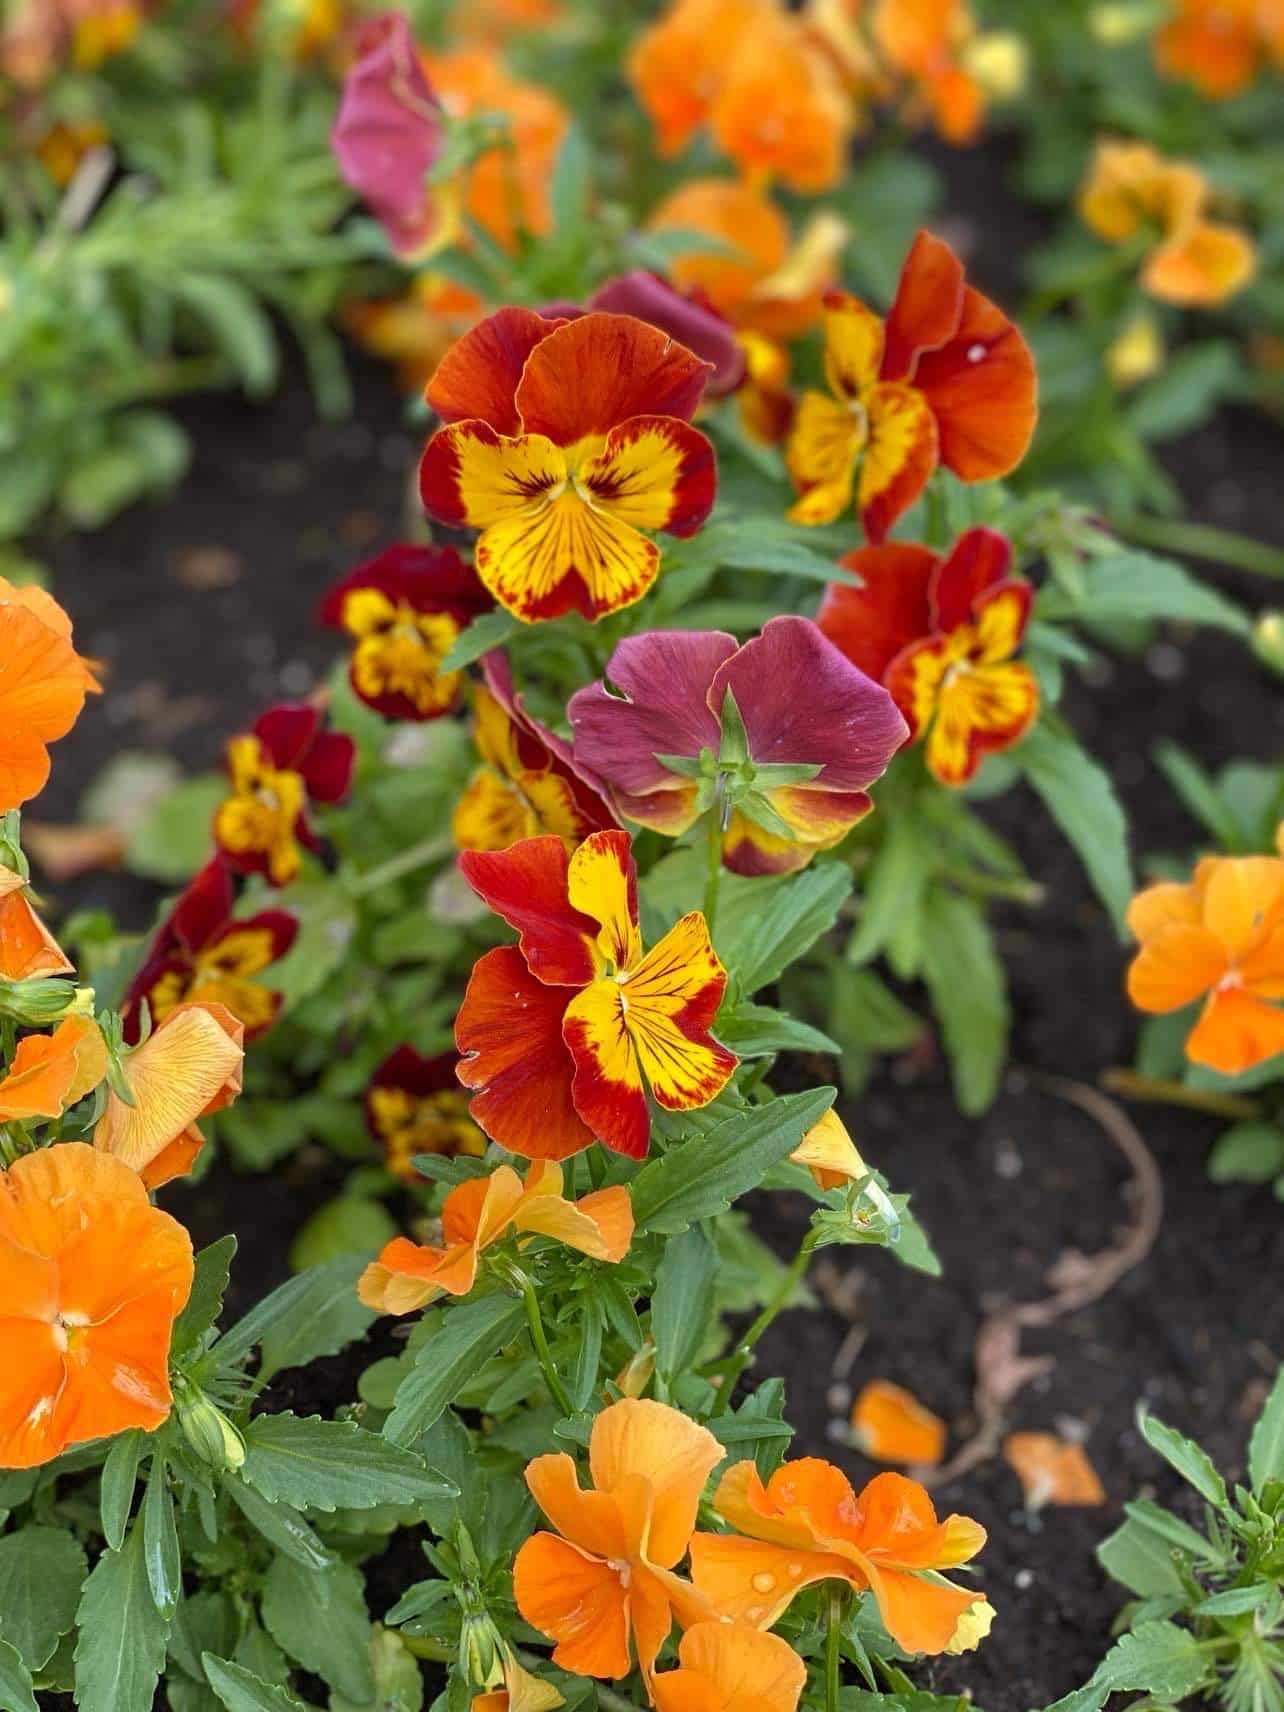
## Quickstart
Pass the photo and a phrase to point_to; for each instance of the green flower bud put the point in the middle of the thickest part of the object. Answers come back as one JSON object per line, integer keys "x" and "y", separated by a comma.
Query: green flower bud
{"x": 1268, "y": 641}
{"x": 37, "y": 1003}
{"x": 207, "y": 1429}
{"x": 480, "y": 1654}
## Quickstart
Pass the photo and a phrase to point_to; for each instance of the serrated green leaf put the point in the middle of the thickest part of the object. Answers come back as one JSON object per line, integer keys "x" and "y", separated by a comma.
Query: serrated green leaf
{"x": 318, "y": 1313}
{"x": 1079, "y": 796}
{"x": 1158, "y": 1659}
{"x": 279, "y": 1525}
{"x": 41, "y": 1571}
{"x": 16, "y": 1691}
{"x": 753, "y": 1031}
{"x": 1190, "y": 1460}
{"x": 319, "y": 1617}
{"x": 969, "y": 995}
{"x": 763, "y": 927}
{"x": 469, "y": 1335}
{"x": 1131, "y": 587}
{"x": 120, "y": 1649}
{"x": 1266, "y": 1446}
{"x": 1140, "y": 1561}
{"x": 241, "y": 1691}
{"x": 333, "y": 1465}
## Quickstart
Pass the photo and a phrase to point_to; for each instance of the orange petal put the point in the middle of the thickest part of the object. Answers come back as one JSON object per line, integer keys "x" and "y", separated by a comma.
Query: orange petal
{"x": 622, "y": 368}
{"x": 577, "y": 1601}
{"x": 1202, "y": 267}
{"x": 50, "y": 1072}
{"x": 1243, "y": 900}
{"x": 754, "y": 1581}
{"x": 900, "y": 457}
{"x": 920, "y": 1615}
{"x": 599, "y": 1225}
{"x": 1174, "y": 967}
{"x": 893, "y": 1426}
{"x": 928, "y": 303}
{"x": 590, "y": 1520}
{"x": 189, "y": 1067}
{"x": 1052, "y": 1470}
{"x": 1235, "y": 1032}
{"x": 1165, "y": 905}
{"x": 640, "y": 1439}
{"x": 408, "y": 1276}
{"x": 730, "y": 1667}
{"x": 42, "y": 689}
{"x": 478, "y": 376}
{"x": 829, "y": 1153}
{"x": 983, "y": 390}
{"x": 27, "y": 948}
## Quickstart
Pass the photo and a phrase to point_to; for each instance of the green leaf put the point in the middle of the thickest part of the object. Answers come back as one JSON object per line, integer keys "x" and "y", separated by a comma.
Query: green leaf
{"x": 241, "y": 1691}
{"x": 894, "y": 894}
{"x": 571, "y": 188}
{"x": 489, "y": 631}
{"x": 969, "y": 995}
{"x": 1131, "y": 587}
{"x": 764, "y": 926}
{"x": 1247, "y": 1153}
{"x": 1266, "y": 1446}
{"x": 120, "y": 1649}
{"x": 1187, "y": 390}
{"x": 41, "y": 1571}
{"x": 682, "y": 1301}
{"x": 1079, "y": 796}
{"x": 318, "y": 1616}
{"x": 769, "y": 543}
{"x": 333, "y": 1465}
{"x": 315, "y": 1314}
{"x": 1190, "y": 1460}
{"x": 1140, "y": 1561}
{"x": 279, "y": 1525}
{"x": 16, "y": 1692}
{"x": 470, "y": 1334}
{"x": 209, "y": 1286}
{"x": 706, "y": 1174}
{"x": 116, "y": 1486}
{"x": 240, "y": 329}
{"x": 1158, "y": 1659}
{"x": 173, "y": 839}
{"x": 1199, "y": 795}
{"x": 160, "y": 1538}
{"x": 349, "y": 1224}
{"x": 754, "y": 1031}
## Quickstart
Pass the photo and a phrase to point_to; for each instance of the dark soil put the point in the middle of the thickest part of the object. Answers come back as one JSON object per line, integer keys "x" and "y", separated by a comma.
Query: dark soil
{"x": 1195, "y": 1331}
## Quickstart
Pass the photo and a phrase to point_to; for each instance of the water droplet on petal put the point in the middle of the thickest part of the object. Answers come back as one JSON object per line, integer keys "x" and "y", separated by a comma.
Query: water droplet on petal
{"x": 762, "y": 1582}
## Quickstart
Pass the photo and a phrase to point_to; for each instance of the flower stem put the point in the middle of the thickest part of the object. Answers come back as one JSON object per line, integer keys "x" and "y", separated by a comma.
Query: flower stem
{"x": 535, "y": 1320}
{"x": 744, "y": 1350}
{"x": 833, "y": 1634}
{"x": 1167, "y": 1091}
{"x": 713, "y": 874}
{"x": 396, "y": 867}
{"x": 1204, "y": 541}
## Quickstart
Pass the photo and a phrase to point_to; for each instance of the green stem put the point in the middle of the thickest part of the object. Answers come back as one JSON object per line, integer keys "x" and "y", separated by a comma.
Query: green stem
{"x": 1167, "y": 1091}
{"x": 713, "y": 873}
{"x": 833, "y": 1634}
{"x": 1204, "y": 541}
{"x": 744, "y": 1350}
{"x": 535, "y": 1320}
{"x": 979, "y": 885}
{"x": 395, "y": 868}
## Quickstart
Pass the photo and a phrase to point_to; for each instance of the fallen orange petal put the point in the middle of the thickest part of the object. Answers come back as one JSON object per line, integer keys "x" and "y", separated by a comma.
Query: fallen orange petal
{"x": 1052, "y": 1470}
{"x": 891, "y": 1425}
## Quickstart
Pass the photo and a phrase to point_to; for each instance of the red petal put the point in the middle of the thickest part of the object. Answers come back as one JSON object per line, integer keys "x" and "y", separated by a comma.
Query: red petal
{"x": 873, "y": 623}
{"x": 927, "y": 308}
{"x": 478, "y": 375}
{"x": 978, "y": 559}
{"x": 527, "y": 885}
{"x": 287, "y": 732}
{"x": 592, "y": 374}
{"x": 983, "y": 391}
{"x": 327, "y": 772}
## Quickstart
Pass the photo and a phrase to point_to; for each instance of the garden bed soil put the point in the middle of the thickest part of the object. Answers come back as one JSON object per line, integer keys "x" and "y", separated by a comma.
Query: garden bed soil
{"x": 201, "y": 609}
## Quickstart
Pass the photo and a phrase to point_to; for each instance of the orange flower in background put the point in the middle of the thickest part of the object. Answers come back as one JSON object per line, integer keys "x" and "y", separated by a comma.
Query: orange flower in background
{"x": 1052, "y": 1470}
{"x": 945, "y": 379}
{"x": 94, "y": 1277}
{"x": 808, "y": 1525}
{"x": 1132, "y": 192}
{"x": 493, "y": 23}
{"x": 43, "y": 684}
{"x": 506, "y": 190}
{"x": 729, "y": 1667}
{"x": 1220, "y": 939}
{"x": 891, "y": 1425}
{"x": 476, "y": 1214}
{"x": 415, "y": 1105}
{"x": 27, "y": 948}
{"x": 565, "y": 440}
{"x": 605, "y": 1577}
{"x": 188, "y": 1068}
{"x": 50, "y": 1072}
{"x": 563, "y": 1033}
{"x": 1221, "y": 45}
{"x": 925, "y": 40}
{"x": 415, "y": 330}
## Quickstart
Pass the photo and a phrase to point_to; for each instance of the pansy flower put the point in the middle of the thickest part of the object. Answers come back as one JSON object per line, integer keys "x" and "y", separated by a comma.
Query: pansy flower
{"x": 687, "y": 317}
{"x": 477, "y": 1214}
{"x": 806, "y": 1525}
{"x": 404, "y": 610}
{"x": 529, "y": 781}
{"x": 926, "y": 41}
{"x": 94, "y": 1277}
{"x": 565, "y": 440}
{"x": 415, "y": 1105}
{"x": 605, "y": 1577}
{"x": 27, "y": 948}
{"x": 188, "y": 1068}
{"x": 1220, "y": 45}
{"x": 730, "y": 1667}
{"x": 562, "y": 1033}
{"x": 202, "y": 953}
{"x": 282, "y": 764}
{"x": 941, "y": 634}
{"x": 790, "y": 771}
{"x": 43, "y": 686}
{"x": 1219, "y": 939}
{"x": 946, "y": 379}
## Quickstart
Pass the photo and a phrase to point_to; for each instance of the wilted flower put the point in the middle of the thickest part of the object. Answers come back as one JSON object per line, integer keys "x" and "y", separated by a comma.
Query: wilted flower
{"x": 94, "y": 1279}
{"x": 701, "y": 725}
{"x": 566, "y": 439}
{"x": 941, "y": 634}
{"x": 529, "y": 782}
{"x": 404, "y": 610}
{"x": 563, "y": 1032}
{"x": 27, "y": 948}
{"x": 281, "y": 765}
{"x": 42, "y": 689}
{"x": 202, "y": 953}
{"x": 945, "y": 379}
{"x": 415, "y": 1105}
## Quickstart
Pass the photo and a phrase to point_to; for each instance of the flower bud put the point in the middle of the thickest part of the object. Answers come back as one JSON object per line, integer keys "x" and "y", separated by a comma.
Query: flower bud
{"x": 1268, "y": 641}
{"x": 480, "y": 1655}
{"x": 999, "y": 62}
{"x": 36, "y": 1003}
{"x": 207, "y": 1429}
{"x": 634, "y": 1377}
{"x": 1137, "y": 353}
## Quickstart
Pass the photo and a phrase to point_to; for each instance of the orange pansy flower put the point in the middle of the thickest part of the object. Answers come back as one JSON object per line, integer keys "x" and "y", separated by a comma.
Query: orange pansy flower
{"x": 1052, "y": 1470}
{"x": 92, "y": 1277}
{"x": 477, "y": 1214}
{"x": 1220, "y": 938}
{"x": 189, "y": 1067}
{"x": 1133, "y": 191}
{"x": 945, "y": 379}
{"x": 1221, "y": 45}
{"x": 27, "y": 948}
{"x": 925, "y": 40}
{"x": 43, "y": 684}
{"x": 729, "y": 1667}
{"x": 606, "y": 1575}
{"x": 566, "y": 440}
{"x": 891, "y": 1425}
{"x": 808, "y": 1525}
{"x": 50, "y": 1072}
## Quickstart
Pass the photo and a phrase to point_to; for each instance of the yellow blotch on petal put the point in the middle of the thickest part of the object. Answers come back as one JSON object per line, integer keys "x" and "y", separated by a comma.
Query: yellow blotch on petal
{"x": 260, "y": 816}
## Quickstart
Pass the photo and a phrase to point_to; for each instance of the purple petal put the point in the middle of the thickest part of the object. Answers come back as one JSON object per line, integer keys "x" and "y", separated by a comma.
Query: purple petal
{"x": 693, "y": 324}
{"x": 803, "y": 701}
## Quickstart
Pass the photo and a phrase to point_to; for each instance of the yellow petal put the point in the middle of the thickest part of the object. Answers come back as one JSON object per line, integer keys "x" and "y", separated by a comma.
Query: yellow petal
{"x": 191, "y": 1065}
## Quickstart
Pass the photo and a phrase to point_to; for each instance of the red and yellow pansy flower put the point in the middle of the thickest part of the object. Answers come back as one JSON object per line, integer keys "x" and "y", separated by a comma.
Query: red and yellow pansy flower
{"x": 946, "y": 379}
{"x": 941, "y": 634}
{"x": 563, "y": 1033}
{"x": 529, "y": 781}
{"x": 404, "y": 610}
{"x": 477, "y": 1214}
{"x": 806, "y": 1524}
{"x": 603, "y": 1584}
{"x": 282, "y": 764}
{"x": 415, "y": 1105}
{"x": 42, "y": 689}
{"x": 94, "y": 1278}
{"x": 565, "y": 440}
{"x": 203, "y": 954}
